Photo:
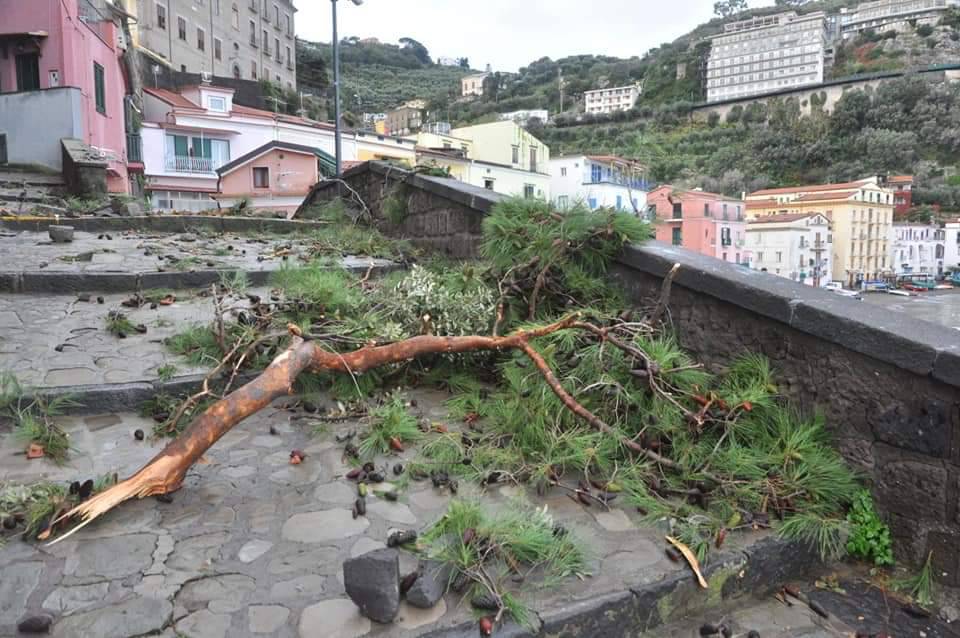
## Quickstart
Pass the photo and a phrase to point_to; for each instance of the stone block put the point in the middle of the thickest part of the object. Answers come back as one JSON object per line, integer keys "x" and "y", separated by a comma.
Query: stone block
{"x": 912, "y": 487}
{"x": 607, "y": 615}
{"x": 430, "y": 585}
{"x": 945, "y": 546}
{"x": 372, "y": 581}
{"x": 923, "y": 426}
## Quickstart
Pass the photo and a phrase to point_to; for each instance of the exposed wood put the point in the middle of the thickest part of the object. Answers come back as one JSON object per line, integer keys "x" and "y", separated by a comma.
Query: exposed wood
{"x": 166, "y": 471}
{"x": 664, "y": 301}
{"x": 691, "y": 559}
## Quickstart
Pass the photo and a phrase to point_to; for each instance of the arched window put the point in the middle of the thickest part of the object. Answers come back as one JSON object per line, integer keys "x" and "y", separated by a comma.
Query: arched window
{"x": 236, "y": 71}
{"x": 235, "y": 17}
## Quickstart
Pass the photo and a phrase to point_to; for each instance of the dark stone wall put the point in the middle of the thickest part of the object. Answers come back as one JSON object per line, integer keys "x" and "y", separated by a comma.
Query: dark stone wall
{"x": 84, "y": 175}
{"x": 443, "y": 215}
{"x": 888, "y": 384}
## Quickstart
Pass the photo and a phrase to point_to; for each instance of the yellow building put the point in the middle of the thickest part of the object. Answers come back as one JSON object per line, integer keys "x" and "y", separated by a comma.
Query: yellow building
{"x": 861, "y": 216}
{"x": 499, "y": 156}
{"x": 372, "y": 146}
{"x": 506, "y": 143}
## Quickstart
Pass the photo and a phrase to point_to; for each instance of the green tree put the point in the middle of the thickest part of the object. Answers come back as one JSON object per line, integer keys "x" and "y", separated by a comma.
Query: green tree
{"x": 727, "y": 8}
{"x": 418, "y": 49}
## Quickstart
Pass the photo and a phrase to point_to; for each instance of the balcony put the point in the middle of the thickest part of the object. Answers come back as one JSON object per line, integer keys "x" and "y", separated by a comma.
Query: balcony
{"x": 134, "y": 148}
{"x": 183, "y": 164}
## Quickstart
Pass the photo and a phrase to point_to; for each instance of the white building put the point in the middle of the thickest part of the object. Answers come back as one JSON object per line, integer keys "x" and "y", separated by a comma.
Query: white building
{"x": 618, "y": 98}
{"x": 472, "y": 85}
{"x": 951, "y": 245}
{"x": 767, "y": 54}
{"x": 896, "y": 15}
{"x": 522, "y": 117}
{"x": 599, "y": 181}
{"x": 795, "y": 246}
{"x": 917, "y": 249}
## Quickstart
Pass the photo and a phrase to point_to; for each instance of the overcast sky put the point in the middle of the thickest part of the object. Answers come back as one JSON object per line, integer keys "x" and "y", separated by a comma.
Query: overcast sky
{"x": 509, "y": 34}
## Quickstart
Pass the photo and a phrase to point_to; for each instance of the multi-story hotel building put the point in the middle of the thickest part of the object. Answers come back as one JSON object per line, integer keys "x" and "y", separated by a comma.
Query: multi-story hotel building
{"x": 618, "y": 98}
{"x": 767, "y": 54}
{"x": 897, "y": 15}
{"x": 248, "y": 39}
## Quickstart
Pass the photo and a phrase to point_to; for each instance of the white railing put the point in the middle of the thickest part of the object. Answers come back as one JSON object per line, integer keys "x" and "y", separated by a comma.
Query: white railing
{"x": 182, "y": 164}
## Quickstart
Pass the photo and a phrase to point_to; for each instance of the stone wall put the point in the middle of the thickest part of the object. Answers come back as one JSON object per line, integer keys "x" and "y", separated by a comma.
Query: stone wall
{"x": 888, "y": 384}
{"x": 84, "y": 173}
{"x": 438, "y": 214}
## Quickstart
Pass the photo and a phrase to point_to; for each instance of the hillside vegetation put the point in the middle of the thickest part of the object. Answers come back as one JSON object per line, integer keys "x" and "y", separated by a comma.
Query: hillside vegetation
{"x": 905, "y": 126}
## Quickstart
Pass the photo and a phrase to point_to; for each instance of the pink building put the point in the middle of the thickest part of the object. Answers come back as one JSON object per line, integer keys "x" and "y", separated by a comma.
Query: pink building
{"x": 276, "y": 176}
{"x": 707, "y": 223}
{"x": 61, "y": 77}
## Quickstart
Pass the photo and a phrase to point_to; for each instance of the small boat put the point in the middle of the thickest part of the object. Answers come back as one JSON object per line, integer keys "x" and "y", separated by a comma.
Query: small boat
{"x": 901, "y": 293}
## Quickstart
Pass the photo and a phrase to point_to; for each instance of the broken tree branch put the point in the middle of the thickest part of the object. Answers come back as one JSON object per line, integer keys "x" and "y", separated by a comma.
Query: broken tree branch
{"x": 664, "y": 301}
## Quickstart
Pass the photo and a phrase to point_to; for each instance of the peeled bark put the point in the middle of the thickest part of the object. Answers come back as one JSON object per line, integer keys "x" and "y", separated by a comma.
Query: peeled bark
{"x": 166, "y": 471}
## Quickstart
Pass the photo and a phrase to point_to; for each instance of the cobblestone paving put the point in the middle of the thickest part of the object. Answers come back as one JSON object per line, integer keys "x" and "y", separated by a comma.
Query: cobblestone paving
{"x": 253, "y": 546}
{"x": 32, "y": 327}
{"x": 139, "y": 252}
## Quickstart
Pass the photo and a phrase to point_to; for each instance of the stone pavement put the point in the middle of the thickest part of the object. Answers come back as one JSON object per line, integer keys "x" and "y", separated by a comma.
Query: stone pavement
{"x": 141, "y": 252}
{"x": 253, "y": 546}
{"x": 31, "y": 327}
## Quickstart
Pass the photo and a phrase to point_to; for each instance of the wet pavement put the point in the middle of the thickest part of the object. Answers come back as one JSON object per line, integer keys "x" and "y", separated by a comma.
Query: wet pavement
{"x": 937, "y": 306}
{"x": 253, "y": 545}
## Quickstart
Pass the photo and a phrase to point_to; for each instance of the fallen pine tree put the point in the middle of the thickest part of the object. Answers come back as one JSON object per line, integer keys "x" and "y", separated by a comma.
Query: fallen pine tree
{"x": 578, "y": 393}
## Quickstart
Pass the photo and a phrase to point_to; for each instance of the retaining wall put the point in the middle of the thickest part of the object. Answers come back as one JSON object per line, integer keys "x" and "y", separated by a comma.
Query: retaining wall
{"x": 888, "y": 384}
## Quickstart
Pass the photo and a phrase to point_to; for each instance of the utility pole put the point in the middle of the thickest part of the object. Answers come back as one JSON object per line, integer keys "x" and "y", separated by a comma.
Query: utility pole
{"x": 560, "y": 80}
{"x": 336, "y": 93}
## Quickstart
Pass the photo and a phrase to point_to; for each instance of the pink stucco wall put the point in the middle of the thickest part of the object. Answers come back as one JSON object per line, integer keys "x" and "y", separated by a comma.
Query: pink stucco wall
{"x": 699, "y": 230}
{"x": 291, "y": 173}
{"x": 71, "y": 48}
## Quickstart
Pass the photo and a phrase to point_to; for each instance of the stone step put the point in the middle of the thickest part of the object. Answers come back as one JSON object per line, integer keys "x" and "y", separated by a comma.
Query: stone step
{"x": 30, "y": 196}
{"x": 14, "y": 179}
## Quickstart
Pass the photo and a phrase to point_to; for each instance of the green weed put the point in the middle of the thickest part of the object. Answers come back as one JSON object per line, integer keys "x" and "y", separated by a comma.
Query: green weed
{"x": 390, "y": 422}
{"x": 869, "y": 536}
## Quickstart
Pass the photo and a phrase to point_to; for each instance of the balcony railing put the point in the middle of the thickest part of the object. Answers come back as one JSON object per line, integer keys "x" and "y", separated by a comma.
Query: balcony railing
{"x": 181, "y": 164}
{"x": 134, "y": 148}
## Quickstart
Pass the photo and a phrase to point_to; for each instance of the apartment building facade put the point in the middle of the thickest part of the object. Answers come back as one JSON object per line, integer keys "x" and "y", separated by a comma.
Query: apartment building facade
{"x": 404, "y": 120}
{"x": 861, "y": 218}
{"x": 618, "y": 98}
{"x": 767, "y": 54}
{"x": 951, "y": 245}
{"x": 902, "y": 186}
{"x": 794, "y": 246}
{"x": 895, "y": 15}
{"x": 472, "y": 85}
{"x": 708, "y": 223}
{"x": 599, "y": 181}
{"x": 918, "y": 249}
{"x": 243, "y": 39}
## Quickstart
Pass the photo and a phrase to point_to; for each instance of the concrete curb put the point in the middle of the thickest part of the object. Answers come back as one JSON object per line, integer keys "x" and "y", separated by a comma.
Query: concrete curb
{"x": 165, "y": 224}
{"x": 756, "y": 570}
{"x": 125, "y": 397}
{"x": 58, "y": 283}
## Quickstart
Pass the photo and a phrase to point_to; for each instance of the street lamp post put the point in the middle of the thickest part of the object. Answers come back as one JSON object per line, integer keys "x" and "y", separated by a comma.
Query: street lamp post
{"x": 336, "y": 86}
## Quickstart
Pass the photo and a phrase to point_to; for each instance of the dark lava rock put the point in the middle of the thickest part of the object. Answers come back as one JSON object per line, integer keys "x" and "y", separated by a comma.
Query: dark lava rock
{"x": 37, "y": 624}
{"x": 372, "y": 581}
{"x": 429, "y": 588}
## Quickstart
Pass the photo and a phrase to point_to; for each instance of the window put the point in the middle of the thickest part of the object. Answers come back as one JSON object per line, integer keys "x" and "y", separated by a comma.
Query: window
{"x": 289, "y": 25}
{"x": 216, "y": 6}
{"x": 28, "y": 72}
{"x": 276, "y": 16}
{"x": 261, "y": 177}
{"x": 236, "y": 71}
{"x": 779, "y": 257}
{"x": 759, "y": 254}
{"x": 516, "y": 154}
{"x": 677, "y": 210}
{"x": 217, "y": 49}
{"x": 289, "y": 57}
{"x": 201, "y": 39}
{"x": 563, "y": 171}
{"x": 181, "y": 28}
{"x": 253, "y": 69}
{"x": 276, "y": 46}
{"x": 528, "y": 191}
{"x": 488, "y": 184}
{"x": 253, "y": 34}
{"x": 235, "y": 18}
{"x": 161, "y": 17}
{"x": 619, "y": 202}
{"x": 677, "y": 237}
{"x": 706, "y": 210}
{"x": 265, "y": 42}
{"x": 596, "y": 173}
{"x": 563, "y": 202}
{"x": 99, "y": 90}
{"x": 217, "y": 103}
